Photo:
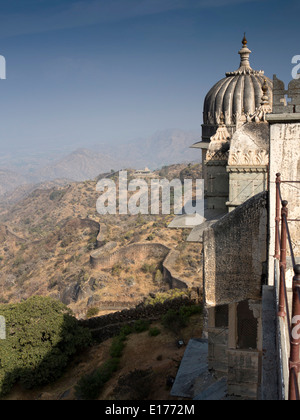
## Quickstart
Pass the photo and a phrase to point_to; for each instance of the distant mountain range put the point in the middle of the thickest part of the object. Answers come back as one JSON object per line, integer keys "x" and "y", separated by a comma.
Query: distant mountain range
{"x": 163, "y": 148}
{"x": 9, "y": 180}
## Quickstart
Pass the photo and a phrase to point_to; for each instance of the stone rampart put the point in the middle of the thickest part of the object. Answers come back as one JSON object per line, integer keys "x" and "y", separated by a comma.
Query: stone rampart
{"x": 108, "y": 326}
{"x": 101, "y": 238}
{"x": 170, "y": 274}
{"x": 101, "y": 258}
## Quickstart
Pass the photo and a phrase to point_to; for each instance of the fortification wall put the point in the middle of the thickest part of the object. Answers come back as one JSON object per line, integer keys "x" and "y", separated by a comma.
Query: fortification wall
{"x": 101, "y": 238}
{"x": 170, "y": 274}
{"x": 5, "y": 233}
{"x": 135, "y": 252}
{"x": 108, "y": 326}
{"x": 104, "y": 257}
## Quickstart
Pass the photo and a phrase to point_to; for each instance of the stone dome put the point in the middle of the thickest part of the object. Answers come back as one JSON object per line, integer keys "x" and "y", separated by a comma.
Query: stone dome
{"x": 236, "y": 97}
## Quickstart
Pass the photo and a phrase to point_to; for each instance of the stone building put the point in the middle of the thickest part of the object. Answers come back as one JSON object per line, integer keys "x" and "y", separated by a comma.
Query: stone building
{"x": 247, "y": 137}
{"x": 235, "y": 162}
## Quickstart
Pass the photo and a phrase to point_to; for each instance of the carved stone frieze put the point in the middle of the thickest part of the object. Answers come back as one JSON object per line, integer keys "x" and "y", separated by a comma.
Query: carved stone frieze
{"x": 249, "y": 158}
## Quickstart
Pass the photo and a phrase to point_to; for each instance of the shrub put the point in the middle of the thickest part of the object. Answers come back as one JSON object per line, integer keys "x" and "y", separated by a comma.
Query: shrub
{"x": 41, "y": 336}
{"x": 18, "y": 261}
{"x": 116, "y": 269}
{"x": 89, "y": 386}
{"x": 169, "y": 295}
{"x": 174, "y": 320}
{"x": 129, "y": 235}
{"x": 126, "y": 330}
{"x": 117, "y": 346}
{"x": 187, "y": 311}
{"x": 154, "y": 332}
{"x": 56, "y": 195}
{"x": 141, "y": 326}
{"x": 148, "y": 268}
{"x": 92, "y": 312}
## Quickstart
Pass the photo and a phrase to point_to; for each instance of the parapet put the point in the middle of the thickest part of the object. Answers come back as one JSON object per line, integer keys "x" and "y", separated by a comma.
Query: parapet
{"x": 286, "y": 101}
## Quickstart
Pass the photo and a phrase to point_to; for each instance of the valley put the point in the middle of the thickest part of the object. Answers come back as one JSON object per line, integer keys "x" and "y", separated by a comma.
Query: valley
{"x": 47, "y": 239}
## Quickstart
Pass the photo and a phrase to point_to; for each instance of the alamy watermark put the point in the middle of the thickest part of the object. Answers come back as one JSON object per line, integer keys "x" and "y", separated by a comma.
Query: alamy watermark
{"x": 2, "y": 328}
{"x": 159, "y": 196}
{"x": 296, "y": 329}
{"x": 2, "y": 67}
{"x": 295, "y": 71}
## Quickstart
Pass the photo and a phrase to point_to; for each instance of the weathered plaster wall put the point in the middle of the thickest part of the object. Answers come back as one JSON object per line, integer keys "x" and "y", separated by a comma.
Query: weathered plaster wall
{"x": 235, "y": 254}
{"x": 248, "y": 163}
{"x": 285, "y": 159}
{"x": 217, "y": 187}
{"x": 243, "y": 368}
{"x": 245, "y": 183}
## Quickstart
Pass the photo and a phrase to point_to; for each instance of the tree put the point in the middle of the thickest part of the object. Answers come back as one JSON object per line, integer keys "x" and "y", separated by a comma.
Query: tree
{"x": 41, "y": 336}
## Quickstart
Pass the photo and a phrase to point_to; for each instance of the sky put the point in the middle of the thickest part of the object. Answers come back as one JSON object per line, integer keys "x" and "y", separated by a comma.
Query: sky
{"x": 110, "y": 71}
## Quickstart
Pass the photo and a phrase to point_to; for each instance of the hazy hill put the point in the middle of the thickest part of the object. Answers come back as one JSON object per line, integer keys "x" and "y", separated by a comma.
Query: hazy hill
{"x": 163, "y": 148}
{"x": 80, "y": 165}
{"x": 22, "y": 191}
{"x": 10, "y": 180}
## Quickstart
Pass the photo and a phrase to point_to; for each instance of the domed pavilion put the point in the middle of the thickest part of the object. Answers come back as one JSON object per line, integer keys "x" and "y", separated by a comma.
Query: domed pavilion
{"x": 235, "y": 135}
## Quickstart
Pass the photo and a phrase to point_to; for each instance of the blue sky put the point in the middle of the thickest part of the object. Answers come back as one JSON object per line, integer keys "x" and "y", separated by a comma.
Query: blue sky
{"x": 94, "y": 71}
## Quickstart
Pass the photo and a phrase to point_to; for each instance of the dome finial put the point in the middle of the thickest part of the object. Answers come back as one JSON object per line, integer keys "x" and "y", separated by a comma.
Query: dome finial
{"x": 265, "y": 106}
{"x": 245, "y": 67}
{"x": 245, "y": 54}
{"x": 265, "y": 97}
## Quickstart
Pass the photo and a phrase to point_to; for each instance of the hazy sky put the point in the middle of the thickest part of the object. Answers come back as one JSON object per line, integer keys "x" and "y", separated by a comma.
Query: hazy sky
{"x": 92, "y": 71}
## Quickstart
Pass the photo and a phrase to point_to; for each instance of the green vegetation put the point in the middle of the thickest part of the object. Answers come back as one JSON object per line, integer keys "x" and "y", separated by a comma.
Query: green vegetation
{"x": 41, "y": 337}
{"x": 164, "y": 296}
{"x": 117, "y": 269}
{"x": 57, "y": 195}
{"x": 89, "y": 386}
{"x": 141, "y": 326}
{"x": 154, "y": 332}
{"x": 149, "y": 268}
{"x": 18, "y": 261}
{"x": 175, "y": 321}
{"x": 92, "y": 312}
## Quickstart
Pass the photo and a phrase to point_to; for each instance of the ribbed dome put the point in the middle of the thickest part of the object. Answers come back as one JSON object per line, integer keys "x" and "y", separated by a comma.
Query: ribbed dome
{"x": 236, "y": 96}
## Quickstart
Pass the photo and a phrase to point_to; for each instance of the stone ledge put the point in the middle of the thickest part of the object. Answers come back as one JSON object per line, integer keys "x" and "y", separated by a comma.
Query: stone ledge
{"x": 278, "y": 118}
{"x": 245, "y": 169}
